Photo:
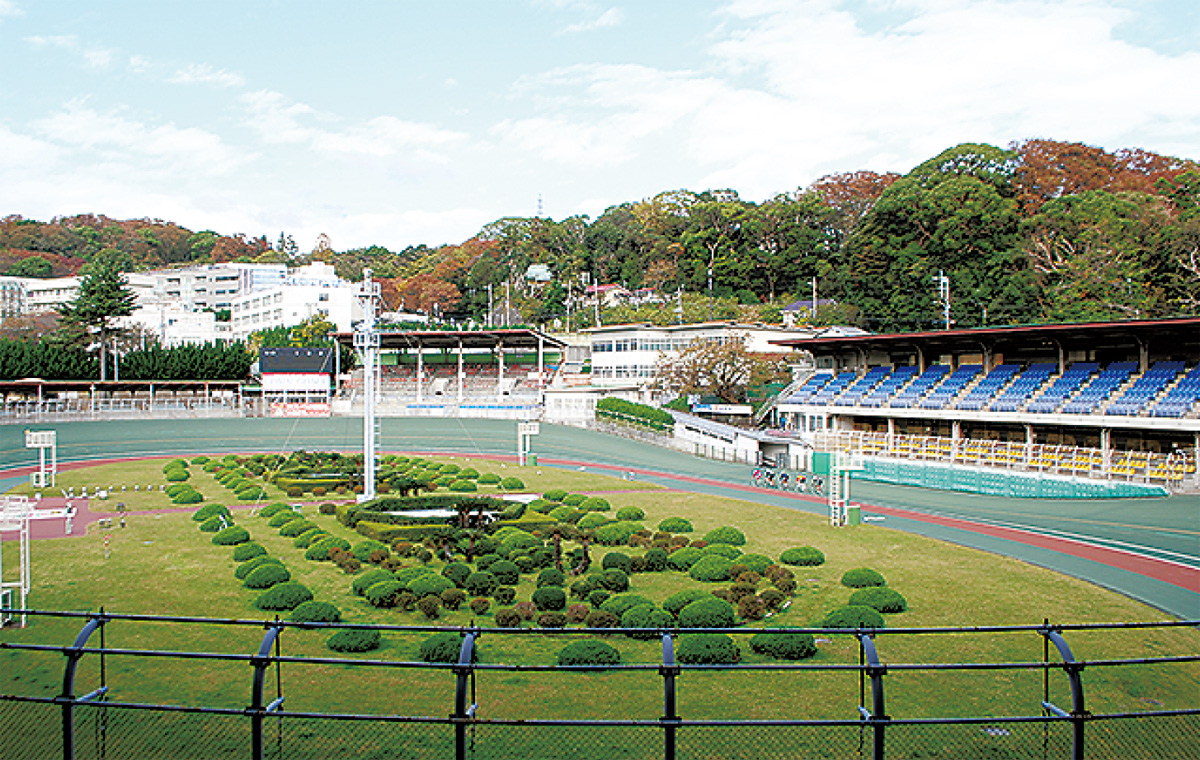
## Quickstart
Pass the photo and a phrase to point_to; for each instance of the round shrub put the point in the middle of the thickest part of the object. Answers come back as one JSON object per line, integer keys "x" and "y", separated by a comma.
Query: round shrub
{"x": 504, "y": 594}
{"x": 293, "y": 528}
{"x": 363, "y": 582}
{"x": 588, "y": 653}
{"x": 453, "y": 598}
{"x": 773, "y": 599}
{"x": 210, "y": 510}
{"x": 283, "y": 517}
{"x": 631, "y": 513}
{"x": 862, "y": 577}
{"x": 615, "y": 580}
{"x": 879, "y": 598}
{"x": 597, "y": 504}
{"x": 250, "y": 493}
{"x": 655, "y": 560}
{"x": 726, "y": 535}
{"x": 272, "y": 509}
{"x": 561, "y": 513}
{"x": 601, "y": 619}
{"x": 551, "y": 576}
{"x": 305, "y": 539}
{"x": 449, "y": 468}
{"x": 853, "y": 617}
{"x": 590, "y": 520}
{"x": 316, "y": 612}
{"x": 283, "y": 596}
{"x": 430, "y": 606}
{"x": 512, "y": 484}
{"x": 616, "y": 561}
{"x": 463, "y": 485}
{"x": 430, "y": 584}
{"x": 784, "y": 646}
{"x": 707, "y": 649}
{"x": 176, "y": 474}
{"x": 555, "y": 494}
{"x": 598, "y": 596}
{"x": 485, "y": 561}
{"x": 480, "y": 605}
{"x": 319, "y": 549}
{"x": 248, "y": 550}
{"x": 249, "y": 565}
{"x": 757, "y": 563}
{"x": 683, "y": 559}
{"x": 188, "y": 496}
{"x": 480, "y": 584}
{"x": 711, "y": 569}
{"x": 213, "y": 524}
{"x": 617, "y": 533}
{"x": 489, "y": 479}
{"x": 507, "y": 617}
{"x": 622, "y": 603}
{"x": 363, "y": 550}
{"x": 384, "y": 593}
{"x": 507, "y": 573}
{"x": 444, "y": 647}
{"x": 354, "y": 640}
{"x": 267, "y": 576}
{"x": 728, "y": 551}
{"x": 680, "y": 599}
{"x": 550, "y": 599}
{"x": 234, "y": 534}
{"x": 574, "y": 499}
{"x": 751, "y": 607}
{"x": 803, "y": 556}
{"x": 707, "y": 613}
{"x": 457, "y": 573}
{"x": 646, "y": 616}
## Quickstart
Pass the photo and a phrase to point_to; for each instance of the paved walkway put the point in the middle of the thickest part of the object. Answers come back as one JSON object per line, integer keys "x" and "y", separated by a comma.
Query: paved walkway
{"x": 1148, "y": 549}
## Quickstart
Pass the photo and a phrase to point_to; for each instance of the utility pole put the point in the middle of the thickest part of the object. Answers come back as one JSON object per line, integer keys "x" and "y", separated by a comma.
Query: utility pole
{"x": 943, "y": 283}
{"x": 366, "y": 342}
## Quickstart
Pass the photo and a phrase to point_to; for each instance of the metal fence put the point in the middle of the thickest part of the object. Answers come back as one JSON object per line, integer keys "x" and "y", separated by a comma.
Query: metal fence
{"x": 102, "y": 710}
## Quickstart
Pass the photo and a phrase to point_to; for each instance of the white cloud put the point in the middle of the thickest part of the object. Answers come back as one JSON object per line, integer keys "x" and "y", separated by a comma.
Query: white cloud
{"x": 606, "y": 20}
{"x": 202, "y": 73}
{"x": 9, "y": 8}
{"x": 92, "y": 56}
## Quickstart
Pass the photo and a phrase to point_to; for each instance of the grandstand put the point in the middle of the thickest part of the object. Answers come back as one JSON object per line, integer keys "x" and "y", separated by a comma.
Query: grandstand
{"x": 472, "y": 373}
{"x": 1110, "y": 400}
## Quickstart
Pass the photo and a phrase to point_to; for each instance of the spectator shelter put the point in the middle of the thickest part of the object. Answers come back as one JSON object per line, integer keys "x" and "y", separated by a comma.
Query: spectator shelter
{"x": 297, "y": 382}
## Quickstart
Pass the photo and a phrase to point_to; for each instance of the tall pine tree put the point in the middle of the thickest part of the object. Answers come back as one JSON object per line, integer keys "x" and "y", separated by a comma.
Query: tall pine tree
{"x": 104, "y": 297}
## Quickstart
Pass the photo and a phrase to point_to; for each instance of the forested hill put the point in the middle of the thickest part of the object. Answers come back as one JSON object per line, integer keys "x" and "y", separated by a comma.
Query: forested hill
{"x": 1040, "y": 231}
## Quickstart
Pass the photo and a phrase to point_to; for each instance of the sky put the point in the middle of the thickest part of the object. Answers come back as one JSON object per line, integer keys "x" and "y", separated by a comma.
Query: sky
{"x": 398, "y": 123}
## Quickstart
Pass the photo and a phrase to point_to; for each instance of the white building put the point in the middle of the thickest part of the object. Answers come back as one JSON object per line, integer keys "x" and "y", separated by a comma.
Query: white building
{"x": 12, "y": 296}
{"x": 214, "y": 286}
{"x": 52, "y": 294}
{"x": 631, "y": 353}
{"x": 309, "y": 291}
{"x": 176, "y": 325}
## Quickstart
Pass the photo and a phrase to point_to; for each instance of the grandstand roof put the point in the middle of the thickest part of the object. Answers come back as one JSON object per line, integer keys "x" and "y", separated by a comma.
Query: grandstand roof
{"x": 1177, "y": 332}
{"x": 469, "y": 339}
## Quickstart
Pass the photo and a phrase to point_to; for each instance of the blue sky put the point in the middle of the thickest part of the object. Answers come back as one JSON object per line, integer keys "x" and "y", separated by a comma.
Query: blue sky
{"x": 398, "y": 123}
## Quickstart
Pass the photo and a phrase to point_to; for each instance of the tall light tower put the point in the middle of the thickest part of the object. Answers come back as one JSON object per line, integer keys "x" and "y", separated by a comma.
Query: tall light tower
{"x": 943, "y": 283}
{"x": 366, "y": 343}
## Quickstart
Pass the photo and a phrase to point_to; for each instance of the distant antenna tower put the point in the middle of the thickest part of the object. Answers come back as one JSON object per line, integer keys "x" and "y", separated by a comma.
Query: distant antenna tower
{"x": 539, "y": 206}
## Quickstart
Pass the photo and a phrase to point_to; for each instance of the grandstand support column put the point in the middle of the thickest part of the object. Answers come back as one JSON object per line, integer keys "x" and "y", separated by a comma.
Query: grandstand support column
{"x": 541, "y": 362}
{"x": 891, "y": 435}
{"x": 499, "y": 370}
{"x": 955, "y": 439}
{"x": 1106, "y": 451}
{"x": 462, "y": 378}
{"x": 366, "y": 342}
{"x": 420, "y": 371}
{"x": 1030, "y": 440}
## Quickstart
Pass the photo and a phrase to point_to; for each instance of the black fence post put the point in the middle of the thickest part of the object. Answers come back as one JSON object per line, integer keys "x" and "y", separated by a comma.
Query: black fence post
{"x": 1072, "y": 668}
{"x": 670, "y": 719}
{"x": 257, "y": 709}
{"x": 875, "y": 670}
{"x": 74, "y": 654}
{"x": 463, "y": 709}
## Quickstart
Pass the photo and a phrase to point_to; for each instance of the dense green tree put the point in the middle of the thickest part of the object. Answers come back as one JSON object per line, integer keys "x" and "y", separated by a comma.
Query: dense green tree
{"x": 104, "y": 297}
{"x": 31, "y": 266}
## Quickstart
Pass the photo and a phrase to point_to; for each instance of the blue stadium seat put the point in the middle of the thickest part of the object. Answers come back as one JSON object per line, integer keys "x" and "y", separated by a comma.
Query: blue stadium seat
{"x": 1092, "y": 395}
{"x": 863, "y": 386}
{"x": 833, "y": 388}
{"x": 1181, "y": 398}
{"x": 1138, "y": 397}
{"x": 1023, "y": 386}
{"x": 886, "y": 389}
{"x": 1067, "y": 383}
{"x": 810, "y": 387}
{"x": 951, "y": 386}
{"x": 913, "y": 393}
{"x": 981, "y": 395}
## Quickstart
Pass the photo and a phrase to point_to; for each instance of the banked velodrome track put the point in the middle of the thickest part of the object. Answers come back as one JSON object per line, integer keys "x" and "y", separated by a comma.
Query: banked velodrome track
{"x": 1148, "y": 549}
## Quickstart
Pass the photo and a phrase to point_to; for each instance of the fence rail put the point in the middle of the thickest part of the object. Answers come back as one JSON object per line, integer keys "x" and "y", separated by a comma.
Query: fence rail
{"x": 109, "y": 721}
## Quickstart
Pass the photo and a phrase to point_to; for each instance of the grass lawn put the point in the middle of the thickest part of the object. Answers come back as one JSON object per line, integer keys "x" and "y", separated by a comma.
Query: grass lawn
{"x": 162, "y": 564}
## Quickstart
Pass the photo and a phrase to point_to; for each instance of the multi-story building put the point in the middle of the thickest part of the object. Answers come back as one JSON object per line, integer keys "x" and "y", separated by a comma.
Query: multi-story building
{"x": 309, "y": 291}
{"x": 12, "y": 296}
{"x": 214, "y": 286}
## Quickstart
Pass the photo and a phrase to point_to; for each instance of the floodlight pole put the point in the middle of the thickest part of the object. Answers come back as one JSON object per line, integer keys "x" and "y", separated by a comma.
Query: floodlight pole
{"x": 366, "y": 343}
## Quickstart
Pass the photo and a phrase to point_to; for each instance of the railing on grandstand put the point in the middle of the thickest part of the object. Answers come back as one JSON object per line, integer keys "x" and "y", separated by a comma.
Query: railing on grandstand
{"x": 68, "y": 410}
{"x": 1171, "y": 469}
{"x": 1032, "y": 707}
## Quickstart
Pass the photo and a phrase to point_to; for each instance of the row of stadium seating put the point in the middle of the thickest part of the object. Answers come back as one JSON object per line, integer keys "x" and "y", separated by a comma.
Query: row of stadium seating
{"x": 1084, "y": 388}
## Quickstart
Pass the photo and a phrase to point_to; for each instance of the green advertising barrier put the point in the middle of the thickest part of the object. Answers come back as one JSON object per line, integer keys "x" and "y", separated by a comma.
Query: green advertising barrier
{"x": 990, "y": 482}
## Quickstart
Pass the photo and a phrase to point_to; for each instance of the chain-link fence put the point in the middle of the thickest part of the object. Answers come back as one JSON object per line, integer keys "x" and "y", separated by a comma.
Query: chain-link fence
{"x": 492, "y": 710}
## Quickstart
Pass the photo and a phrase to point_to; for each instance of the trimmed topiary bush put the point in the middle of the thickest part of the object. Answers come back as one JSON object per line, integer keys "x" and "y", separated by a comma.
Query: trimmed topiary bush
{"x": 862, "y": 577}
{"x": 683, "y": 559}
{"x": 655, "y": 560}
{"x": 675, "y": 525}
{"x": 319, "y": 550}
{"x": 622, "y": 603}
{"x": 590, "y": 653}
{"x": 463, "y": 485}
{"x": 507, "y": 617}
{"x": 680, "y": 599}
{"x": 803, "y": 556}
{"x": 879, "y": 598}
{"x": 430, "y": 606}
{"x": 631, "y": 513}
{"x": 480, "y": 605}
{"x": 726, "y": 535}
{"x": 617, "y": 533}
{"x": 489, "y": 479}
{"x": 316, "y": 612}
{"x": 213, "y": 524}
{"x": 784, "y": 646}
{"x": 512, "y": 484}
{"x": 551, "y": 576}
{"x": 550, "y": 599}
{"x": 574, "y": 499}
{"x": 711, "y": 569}
{"x": 430, "y": 584}
{"x": 453, "y": 598}
{"x": 616, "y": 561}
{"x": 188, "y": 496}
{"x": 248, "y": 550}
{"x": 707, "y": 649}
{"x": 646, "y": 616}
{"x": 601, "y": 619}
{"x": 210, "y": 510}
{"x": 249, "y": 565}
{"x": 363, "y": 582}
{"x": 597, "y": 504}
{"x": 481, "y": 584}
{"x": 555, "y": 494}
{"x": 707, "y": 613}
{"x": 383, "y": 594}
{"x": 728, "y": 551}
{"x": 457, "y": 573}
{"x": 354, "y": 640}
{"x": 853, "y": 617}
{"x": 234, "y": 534}
{"x": 271, "y": 510}
{"x": 283, "y": 517}
{"x": 552, "y": 619}
{"x": 293, "y": 528}
{"x": 614, "y": 580}
{"x": 306, "y": 539}
{"x": 507, "y": 573}
{"x": 283, "y": 596}
{"x": 266, "y": 576}
{"x": 588, "y": 521}
{"x": 444, "y": 647}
